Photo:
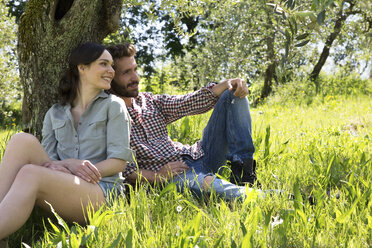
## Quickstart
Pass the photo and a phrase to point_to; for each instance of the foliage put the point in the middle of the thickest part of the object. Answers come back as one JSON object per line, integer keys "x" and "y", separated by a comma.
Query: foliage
{"x": 210, "y": 40}
{"x": 10, "y": 89}
{"x": 301, "y": 91}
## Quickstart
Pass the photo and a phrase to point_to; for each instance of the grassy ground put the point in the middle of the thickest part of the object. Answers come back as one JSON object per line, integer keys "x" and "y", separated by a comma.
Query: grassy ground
{"x": 323, "y": 149}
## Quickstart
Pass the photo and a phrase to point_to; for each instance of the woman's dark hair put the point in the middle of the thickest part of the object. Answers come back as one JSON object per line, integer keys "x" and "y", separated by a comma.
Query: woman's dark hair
{"x": 83, "y": 54}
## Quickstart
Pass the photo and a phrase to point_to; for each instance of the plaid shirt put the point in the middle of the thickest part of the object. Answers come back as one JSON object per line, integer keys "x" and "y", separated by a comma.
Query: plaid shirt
{"x": 149, "y": 134}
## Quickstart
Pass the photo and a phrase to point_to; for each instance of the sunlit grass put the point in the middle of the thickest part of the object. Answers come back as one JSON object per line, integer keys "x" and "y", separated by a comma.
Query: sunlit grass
{"x": 322, "y": 149}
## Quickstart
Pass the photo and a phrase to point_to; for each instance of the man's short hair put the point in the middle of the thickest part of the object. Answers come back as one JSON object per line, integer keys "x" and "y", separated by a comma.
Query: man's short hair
{"x": 121, "y": 50}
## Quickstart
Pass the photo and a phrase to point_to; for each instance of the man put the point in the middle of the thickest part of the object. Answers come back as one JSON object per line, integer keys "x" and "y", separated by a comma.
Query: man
{"x": 227, "y": 135}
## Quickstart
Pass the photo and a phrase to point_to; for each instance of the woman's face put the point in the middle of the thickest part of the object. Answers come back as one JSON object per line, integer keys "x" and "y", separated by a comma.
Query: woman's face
{"x": 99, "y": 73}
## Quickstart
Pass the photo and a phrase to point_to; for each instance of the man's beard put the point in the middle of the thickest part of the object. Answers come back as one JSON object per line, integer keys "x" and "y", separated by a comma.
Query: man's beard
{"x": 123, "y": 90}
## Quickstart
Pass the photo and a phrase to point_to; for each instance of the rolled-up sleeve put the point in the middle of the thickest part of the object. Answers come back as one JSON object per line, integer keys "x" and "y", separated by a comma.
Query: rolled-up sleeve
{"x": 49, "y": 141}
{"x": 118, "y": 131}
{"x": 177, "y": 106}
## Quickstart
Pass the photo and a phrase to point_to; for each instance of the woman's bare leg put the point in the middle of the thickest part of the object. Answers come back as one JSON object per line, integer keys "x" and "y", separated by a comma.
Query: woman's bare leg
{"x": 69, "y": 195}
{"x": 22, "y": 149}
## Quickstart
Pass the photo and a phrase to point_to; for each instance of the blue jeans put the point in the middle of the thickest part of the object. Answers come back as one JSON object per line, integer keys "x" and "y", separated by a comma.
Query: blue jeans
{"x": 227, "y": 136}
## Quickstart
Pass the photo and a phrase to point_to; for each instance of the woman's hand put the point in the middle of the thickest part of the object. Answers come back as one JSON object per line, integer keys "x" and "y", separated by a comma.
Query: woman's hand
{"x": 56, "y": 166}
{"x": 81, "y": 168}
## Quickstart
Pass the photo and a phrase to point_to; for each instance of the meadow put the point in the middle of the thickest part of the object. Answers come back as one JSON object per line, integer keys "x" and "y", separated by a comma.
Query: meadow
{"x": 320, "y": 148}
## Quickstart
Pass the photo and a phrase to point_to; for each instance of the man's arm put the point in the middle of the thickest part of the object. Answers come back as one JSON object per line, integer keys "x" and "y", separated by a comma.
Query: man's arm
{"x": 237, "y": 84}
{"x": 169, "y": 170}
{"x": 198, "y": 102}
{"x": 174, "y": 107}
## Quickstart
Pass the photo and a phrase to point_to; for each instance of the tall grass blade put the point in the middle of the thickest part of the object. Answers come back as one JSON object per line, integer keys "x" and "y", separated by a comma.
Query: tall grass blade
{"x": 61, "y": 222}
{"x": 116, "y": 242}
{"x": 217, "y": 244}
{"x": 129, "y": 239}
{"x": 170, "y": 187}
{"x": 267, "y": 142}
{"x": 298, "y": 201}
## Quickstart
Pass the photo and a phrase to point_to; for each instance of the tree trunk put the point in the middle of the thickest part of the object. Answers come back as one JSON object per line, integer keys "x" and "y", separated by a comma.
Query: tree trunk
{"x": 341, "y": 17}
{"x": 270, "y": 69}
{"x": 48, "y": 31}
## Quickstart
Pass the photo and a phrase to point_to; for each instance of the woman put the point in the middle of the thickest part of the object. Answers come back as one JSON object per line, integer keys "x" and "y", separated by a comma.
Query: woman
{"x": 84, "y": 149}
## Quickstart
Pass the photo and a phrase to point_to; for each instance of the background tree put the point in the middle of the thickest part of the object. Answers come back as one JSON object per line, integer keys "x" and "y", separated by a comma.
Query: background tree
{"x": 253, "y": 40}
{"x": 48, "y": 31}
{"x": 9, "y": 80}
{"x": 361, "y": 13}
{"x": 269, "y": 42}
{"x": 157, "y": 33}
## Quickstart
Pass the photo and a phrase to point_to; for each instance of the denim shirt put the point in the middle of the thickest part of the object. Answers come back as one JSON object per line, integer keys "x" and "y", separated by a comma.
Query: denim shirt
{"x": 102, "y": 133}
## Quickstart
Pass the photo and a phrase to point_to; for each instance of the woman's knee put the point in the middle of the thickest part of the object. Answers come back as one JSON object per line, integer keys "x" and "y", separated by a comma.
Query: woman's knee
{"x": 30, "y": 173}
{"x": 21, "y": 139}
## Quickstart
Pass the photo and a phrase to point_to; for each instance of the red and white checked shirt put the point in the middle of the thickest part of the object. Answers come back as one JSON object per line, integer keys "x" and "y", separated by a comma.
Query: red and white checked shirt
{"x": 149, "y": 135}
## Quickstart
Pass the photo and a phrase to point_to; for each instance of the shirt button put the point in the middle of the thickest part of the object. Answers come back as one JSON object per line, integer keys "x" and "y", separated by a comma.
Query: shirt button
{"x": 79, "y": 123}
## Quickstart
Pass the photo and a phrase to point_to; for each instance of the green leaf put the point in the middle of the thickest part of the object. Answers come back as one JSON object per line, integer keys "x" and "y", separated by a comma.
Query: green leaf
{"x": 321, "y": 17}
{"x": 298, "y": 197}
{"x": 170, "y": 187}
{"x": 267, "y": 219}
{"x": 233, "y": 243}
{"x": 301, "y": 44}
{"x": 293, "y": 24}
{"x": 289, "y": 3}
{"x": 247, "y": 240}
{"x": 343, "y": 218}
{"x": 73, "y": 241}
{"x": 129, "y": 239}
{"x": 369, "y": 222}
{"x": 55, "y": 228}
{"x": 244, "y": 230}
{"x": 267, "y": 142}
{"x": 60, "y": 220}
{"x": 302, "y": 215}
{"x": 116, "y": 241}
{"x": 330, "y": 165}
{"x": 302, "y": 36}
{"x": 305, "y": 13}
{"x": 287, "y": 35}
{"x": 217, "y": 244}
{"x": 196, "y": 222}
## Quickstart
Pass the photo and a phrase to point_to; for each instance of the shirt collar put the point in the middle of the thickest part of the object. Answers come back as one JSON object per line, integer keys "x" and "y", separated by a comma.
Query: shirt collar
{"x": 102, "y": 94}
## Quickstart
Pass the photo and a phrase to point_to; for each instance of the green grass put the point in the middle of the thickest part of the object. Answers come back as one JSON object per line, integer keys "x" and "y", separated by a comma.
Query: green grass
{"x": 305, "y": 149}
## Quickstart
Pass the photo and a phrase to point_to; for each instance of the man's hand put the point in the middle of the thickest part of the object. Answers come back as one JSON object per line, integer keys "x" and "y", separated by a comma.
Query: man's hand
{"x": 171, "y": 169}
{"x": 81, "y": 168}
{"x": 239, "y": 85}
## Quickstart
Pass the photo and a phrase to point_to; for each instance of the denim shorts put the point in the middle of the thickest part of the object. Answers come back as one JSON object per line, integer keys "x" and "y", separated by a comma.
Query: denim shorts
{"x": 111, "y": 190}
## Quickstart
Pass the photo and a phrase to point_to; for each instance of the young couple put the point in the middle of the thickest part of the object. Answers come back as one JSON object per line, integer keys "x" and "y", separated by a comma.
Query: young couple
{"x": 89, "y": 134}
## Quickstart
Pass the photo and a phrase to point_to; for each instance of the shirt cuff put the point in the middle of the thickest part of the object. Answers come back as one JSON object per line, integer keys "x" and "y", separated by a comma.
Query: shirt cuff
{"x": 209, "y": 89}
{"x": 131, "y": 167}
{"x": 126, "y": 154}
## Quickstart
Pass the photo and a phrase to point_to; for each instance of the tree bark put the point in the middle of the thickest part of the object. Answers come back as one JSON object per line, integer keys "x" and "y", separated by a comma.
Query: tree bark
{"x": 270, "y": 69}
{"x": 48, "y": 31}
{"x": 341, "y": 17}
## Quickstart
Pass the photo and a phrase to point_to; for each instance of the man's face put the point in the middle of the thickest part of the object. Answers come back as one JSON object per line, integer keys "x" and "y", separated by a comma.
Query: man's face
{"x": 126, "y": 80}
